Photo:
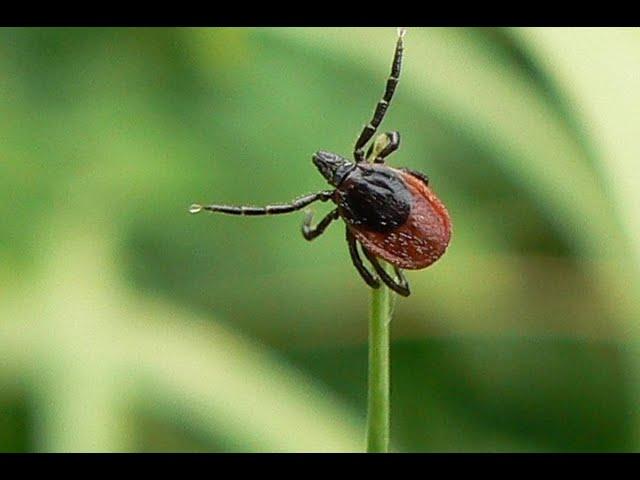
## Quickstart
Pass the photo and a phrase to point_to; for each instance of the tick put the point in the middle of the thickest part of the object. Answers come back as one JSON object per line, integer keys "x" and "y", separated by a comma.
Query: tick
{"x": 390, "y": 213}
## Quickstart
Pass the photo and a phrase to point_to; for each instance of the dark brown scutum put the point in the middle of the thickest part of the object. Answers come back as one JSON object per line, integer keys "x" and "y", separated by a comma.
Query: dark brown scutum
{"x": 374, "y": 197}
{"x": 421, "y": 240}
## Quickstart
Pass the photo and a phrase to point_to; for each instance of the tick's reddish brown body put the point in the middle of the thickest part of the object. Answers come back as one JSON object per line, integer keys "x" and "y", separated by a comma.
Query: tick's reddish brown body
{"x": 424, "y": 236}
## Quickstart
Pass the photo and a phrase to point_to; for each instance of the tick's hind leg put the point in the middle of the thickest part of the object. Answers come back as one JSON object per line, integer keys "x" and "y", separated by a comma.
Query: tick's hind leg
{"x": 401, "y": 285}
{"x": 404, "y": 284}
{"x": 383, "y": 146}
{"x": 309, "y": 232}
{"x": 366, "y": 275}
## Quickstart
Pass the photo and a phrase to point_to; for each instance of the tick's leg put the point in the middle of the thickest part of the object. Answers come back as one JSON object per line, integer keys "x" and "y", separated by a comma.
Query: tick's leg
{"x": 401, "y": 286}
{"x": 297, "y": 204}
{"x": 418, "y": 175}
{"x": 367, "y": 276}
{"x": 383, "y": 104}
{"x": 310, "y": 232}
{"x": 383, "y": 146}
{"x": 402, "y": 280}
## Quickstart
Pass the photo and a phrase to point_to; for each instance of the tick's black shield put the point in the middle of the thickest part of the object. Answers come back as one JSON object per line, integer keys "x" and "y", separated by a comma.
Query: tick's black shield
{"x": 374, "y": 198}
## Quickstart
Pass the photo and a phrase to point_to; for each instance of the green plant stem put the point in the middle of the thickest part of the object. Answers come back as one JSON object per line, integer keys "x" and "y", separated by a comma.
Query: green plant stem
{"x": 378, "y": 394}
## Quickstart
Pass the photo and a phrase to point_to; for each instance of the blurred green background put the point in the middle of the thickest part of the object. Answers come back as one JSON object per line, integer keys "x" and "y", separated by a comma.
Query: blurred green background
{"x": 127, "y": 324}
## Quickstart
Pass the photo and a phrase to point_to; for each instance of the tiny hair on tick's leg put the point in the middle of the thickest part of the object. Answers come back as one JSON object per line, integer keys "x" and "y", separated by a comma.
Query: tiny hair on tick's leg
{"x": 381, "y": 109}
{"x": 391, "y": 214}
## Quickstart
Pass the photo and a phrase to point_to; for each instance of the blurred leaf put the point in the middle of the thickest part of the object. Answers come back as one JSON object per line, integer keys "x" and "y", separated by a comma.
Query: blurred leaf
{"x": 596, "y": 71}
{"x": 127, "y": 324}
{"x": 91, "y": 355}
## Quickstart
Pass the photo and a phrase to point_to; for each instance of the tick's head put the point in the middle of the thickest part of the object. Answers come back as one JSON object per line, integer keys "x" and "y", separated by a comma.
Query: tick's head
{"x": 333, "y": 167}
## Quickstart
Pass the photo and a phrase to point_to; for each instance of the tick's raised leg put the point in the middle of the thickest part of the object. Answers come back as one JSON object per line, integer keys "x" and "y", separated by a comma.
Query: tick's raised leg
{"x": 367, "y": 276}
{"x": 401, "y": 285}
{"x": 383, "y": 104}
{"x": 297, "y": 204}
{"x": 383, "y": 146}
{"x": 309, "y": 232}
